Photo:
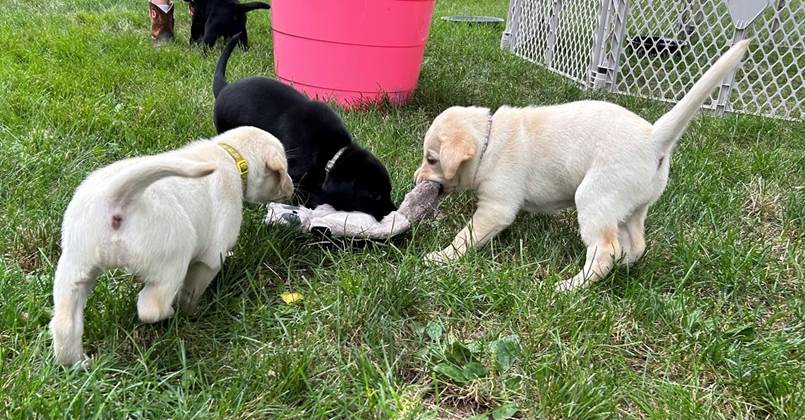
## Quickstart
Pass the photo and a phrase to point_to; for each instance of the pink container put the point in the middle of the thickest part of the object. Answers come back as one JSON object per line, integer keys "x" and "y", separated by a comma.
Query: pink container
{"x": 351, "y": 51}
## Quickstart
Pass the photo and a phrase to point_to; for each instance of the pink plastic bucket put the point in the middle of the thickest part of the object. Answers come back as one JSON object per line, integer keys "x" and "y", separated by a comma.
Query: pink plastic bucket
{"x": 351, "y": 51}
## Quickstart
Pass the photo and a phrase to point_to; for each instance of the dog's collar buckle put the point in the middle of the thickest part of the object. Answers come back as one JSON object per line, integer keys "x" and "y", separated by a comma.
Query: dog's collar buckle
{"x": 243, "y": 167}
{"x": 240, "y": 162}
{"x": 331, "y": 162}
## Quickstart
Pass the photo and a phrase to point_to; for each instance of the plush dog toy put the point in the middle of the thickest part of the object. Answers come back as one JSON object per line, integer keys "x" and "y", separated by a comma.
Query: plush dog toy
{"x": 420, "y": 203}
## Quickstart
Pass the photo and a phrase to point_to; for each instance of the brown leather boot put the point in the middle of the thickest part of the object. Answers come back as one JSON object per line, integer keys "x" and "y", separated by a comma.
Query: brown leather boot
{"x": 161, "y": 24}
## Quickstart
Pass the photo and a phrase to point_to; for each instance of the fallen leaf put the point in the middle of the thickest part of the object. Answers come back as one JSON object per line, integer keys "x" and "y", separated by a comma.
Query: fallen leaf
{"x": 291, "y": 297}
{"x": 505, "y": 411}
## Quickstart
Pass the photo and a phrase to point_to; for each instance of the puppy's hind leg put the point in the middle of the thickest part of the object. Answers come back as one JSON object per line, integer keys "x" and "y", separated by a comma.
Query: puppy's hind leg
{"x": 603, "y": 251}
{"x": 598, "y": 225}
{"x": 635, "y": 228}
{"x": 71, "y": 288}
{"x": 624, "y": 238}
{"x": 243, "y": 41}
{"x": 155, "y": 301}
{"x": 199, "y": 277}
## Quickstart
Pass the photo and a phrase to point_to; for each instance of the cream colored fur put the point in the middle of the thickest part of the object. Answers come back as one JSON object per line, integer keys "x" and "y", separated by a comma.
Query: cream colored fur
{"x": 607, "y": 161}
{"x": 169, "y": 218}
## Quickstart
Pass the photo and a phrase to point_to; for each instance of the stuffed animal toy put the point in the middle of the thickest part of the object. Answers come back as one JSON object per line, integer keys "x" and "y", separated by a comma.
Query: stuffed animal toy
{"x": 419, "y": 204}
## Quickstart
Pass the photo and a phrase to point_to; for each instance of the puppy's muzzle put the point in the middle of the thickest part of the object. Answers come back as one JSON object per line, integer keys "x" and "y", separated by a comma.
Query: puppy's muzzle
{"x": 286, "y": 189}
{"x": 418, "y": 179}
{"x": 419, "y": 176}
{"x": 287, "y": 194}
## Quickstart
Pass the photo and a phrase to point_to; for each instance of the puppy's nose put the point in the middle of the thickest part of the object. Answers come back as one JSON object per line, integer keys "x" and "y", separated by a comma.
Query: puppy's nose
{"x": 416, "y": 177}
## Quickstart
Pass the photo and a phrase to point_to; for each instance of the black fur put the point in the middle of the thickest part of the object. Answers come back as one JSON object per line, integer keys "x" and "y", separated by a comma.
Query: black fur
{"x": 312, "y": 134}
{"x": 212, "y": 19}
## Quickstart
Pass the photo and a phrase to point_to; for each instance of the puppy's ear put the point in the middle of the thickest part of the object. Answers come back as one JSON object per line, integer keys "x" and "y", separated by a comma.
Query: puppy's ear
{"x": 456, "y": 148}
{"x": 277, "y": 165}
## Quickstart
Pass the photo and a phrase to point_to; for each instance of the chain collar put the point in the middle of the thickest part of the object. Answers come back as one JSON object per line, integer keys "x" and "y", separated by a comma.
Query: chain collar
{"x": 331, "y": 162}
{"x": 486, "y": 144}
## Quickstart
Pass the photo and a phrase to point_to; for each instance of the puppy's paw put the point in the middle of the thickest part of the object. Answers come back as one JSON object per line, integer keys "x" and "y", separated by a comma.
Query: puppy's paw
{"x": 571, "y": 284}
{"x": 150, "y": 313}
{"x": 438, "y": 258}
{"x": 85, "y": 363}
{"x": 82, "y": 362}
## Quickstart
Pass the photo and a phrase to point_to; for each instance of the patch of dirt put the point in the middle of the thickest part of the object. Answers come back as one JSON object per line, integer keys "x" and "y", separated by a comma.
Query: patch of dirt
{"x": 457, "y": 402}
{"x": 26, "y": 245}
{"x": 765, "y": 221}
{"x": 764, "y": 210}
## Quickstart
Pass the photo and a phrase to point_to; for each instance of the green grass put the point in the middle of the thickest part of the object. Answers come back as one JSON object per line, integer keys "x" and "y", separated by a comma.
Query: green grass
{"x": 710, "y": 323}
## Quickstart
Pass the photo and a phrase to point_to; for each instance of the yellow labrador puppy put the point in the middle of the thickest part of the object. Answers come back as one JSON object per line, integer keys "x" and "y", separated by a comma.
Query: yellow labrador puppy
{"x": 609, "y": 162}
{"x": 169, "y": 218}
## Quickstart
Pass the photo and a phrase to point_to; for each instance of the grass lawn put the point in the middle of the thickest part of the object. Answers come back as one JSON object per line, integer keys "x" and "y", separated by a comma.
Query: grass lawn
{"x": 710, "y": 323}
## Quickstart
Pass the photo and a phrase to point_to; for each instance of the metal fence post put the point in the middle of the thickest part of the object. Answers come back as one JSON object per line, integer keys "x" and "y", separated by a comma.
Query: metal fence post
{"x": 553, "y": 31}
{"x": 598, "y": 42}
{"x": 508, "y": 40}
{"x": 618, "y": 39}
{"x": 723, "y": 102}
{"x": 608, "y": 45}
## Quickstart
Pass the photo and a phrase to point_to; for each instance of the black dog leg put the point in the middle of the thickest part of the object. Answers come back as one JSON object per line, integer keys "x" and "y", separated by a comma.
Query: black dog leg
{"x": 211, "y": 34}
{"x": 196, "y": 32}
{"x": 243, "y": 42}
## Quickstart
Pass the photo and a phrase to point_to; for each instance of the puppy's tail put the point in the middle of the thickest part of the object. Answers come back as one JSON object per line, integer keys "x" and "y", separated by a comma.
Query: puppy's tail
{"x": 219, "y": 78}
{"x": 669, "y": 128}
{"x": 129, "y": 184}
{"x": 248, "y": 7}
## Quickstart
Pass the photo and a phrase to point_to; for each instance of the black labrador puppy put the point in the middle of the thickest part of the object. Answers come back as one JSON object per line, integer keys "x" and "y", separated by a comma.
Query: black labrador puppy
{"x": 324, "y": 163}
{"x": 212, "y": 19}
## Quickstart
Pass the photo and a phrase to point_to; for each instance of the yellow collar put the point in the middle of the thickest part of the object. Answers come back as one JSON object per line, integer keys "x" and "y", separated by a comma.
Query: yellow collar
{"x": 240, "y": 162}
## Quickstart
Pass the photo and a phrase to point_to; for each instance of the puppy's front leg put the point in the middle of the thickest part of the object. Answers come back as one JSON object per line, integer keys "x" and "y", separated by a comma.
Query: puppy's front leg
{"x": 211, "y": 33}
{"x": 196, "y": 32}
{"x": 491, "y": 217}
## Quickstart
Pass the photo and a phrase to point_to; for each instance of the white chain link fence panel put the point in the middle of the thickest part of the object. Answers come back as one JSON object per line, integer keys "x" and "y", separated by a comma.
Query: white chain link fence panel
{"x": 658, "y": 48}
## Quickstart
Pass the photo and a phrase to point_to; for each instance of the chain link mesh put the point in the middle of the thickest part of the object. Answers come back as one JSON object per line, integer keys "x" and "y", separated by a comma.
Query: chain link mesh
{"x": 658, "y": 49}
{"x": 557, "y": 35}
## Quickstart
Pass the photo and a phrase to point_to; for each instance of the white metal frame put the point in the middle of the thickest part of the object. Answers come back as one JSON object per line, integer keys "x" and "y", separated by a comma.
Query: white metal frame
{"x": 616, "y": 46}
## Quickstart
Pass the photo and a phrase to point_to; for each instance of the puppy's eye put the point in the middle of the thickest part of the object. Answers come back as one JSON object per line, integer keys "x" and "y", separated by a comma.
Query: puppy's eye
{"x": 432, "y": 160}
